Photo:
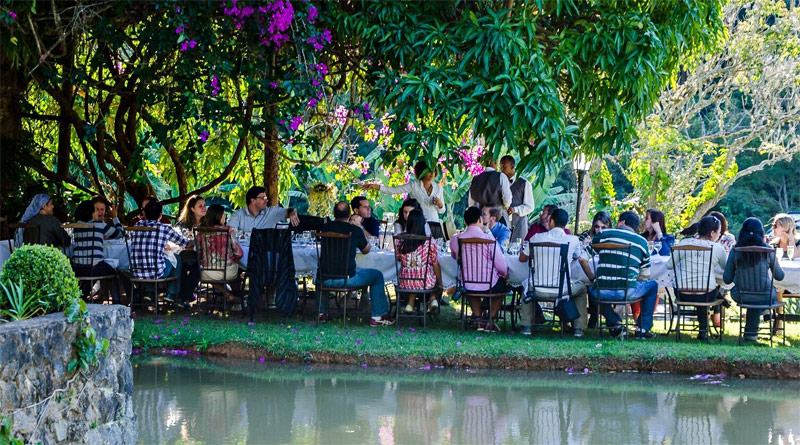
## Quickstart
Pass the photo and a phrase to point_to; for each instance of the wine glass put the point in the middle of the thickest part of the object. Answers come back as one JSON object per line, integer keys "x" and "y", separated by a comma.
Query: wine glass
{"x": 650, "y": 246}
{"x": 657, "y": 246}
{"x": 790, "y": 251}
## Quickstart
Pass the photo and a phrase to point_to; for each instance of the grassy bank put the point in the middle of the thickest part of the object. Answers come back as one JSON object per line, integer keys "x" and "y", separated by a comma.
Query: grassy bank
{"x": 275, "y": 339}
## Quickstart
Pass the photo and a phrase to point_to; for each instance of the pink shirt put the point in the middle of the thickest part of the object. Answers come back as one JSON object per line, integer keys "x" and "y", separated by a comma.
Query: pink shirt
{"x": 498, "y": 269}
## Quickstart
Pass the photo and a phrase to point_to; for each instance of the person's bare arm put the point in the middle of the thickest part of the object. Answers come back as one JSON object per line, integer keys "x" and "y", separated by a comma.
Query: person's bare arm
{"x": 587, "y": 268}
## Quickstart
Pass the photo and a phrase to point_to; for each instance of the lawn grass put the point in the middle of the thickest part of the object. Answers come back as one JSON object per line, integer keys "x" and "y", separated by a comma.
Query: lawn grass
{"x": 275, "y": 338}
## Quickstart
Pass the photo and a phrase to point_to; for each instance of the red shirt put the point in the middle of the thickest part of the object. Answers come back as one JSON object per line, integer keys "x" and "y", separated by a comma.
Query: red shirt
{"x": 538, "y": 228}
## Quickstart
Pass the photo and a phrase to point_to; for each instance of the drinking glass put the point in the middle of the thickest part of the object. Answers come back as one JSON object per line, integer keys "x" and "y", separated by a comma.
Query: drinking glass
{"x": 657, "y": 246}
{"x": 505, "y": 246}
{"x": 790, "y": 251}
{"x": 651, "y": 246}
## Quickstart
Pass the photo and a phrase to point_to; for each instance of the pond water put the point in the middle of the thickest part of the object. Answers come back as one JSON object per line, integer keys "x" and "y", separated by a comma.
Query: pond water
{"x": 186, "y": 400}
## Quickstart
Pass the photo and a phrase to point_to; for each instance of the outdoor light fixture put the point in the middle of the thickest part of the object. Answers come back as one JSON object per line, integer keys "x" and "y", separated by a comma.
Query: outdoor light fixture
{"x": 581, "y": 166}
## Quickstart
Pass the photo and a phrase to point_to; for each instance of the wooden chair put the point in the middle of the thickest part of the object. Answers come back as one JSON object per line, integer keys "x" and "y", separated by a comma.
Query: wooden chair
{"x": 407, "y": 285}
{"x": 549, "y": 274}
{"x": 750, "y": 286}
{"x": 606, "y": 280}
{"x": 333, "y": 257}
{"x": 436, "y": 230}
{"x": 32, "y": 234}
{"x": 384, "y": 229}
{"x": 213, "y": 247}
{"x": 138, "y": 269}
{"x": 476, "y": 271}
{"x": 692, "y": 289}
{"x": 90, "y": 279}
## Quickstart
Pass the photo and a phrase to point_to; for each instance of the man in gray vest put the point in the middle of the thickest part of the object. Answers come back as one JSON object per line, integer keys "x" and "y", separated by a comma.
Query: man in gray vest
{"x": 491, "y": 188}
{"x": 521, "y": 198}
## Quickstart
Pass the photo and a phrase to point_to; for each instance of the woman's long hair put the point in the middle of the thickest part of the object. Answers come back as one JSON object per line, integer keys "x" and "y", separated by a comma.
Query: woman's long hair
{"x": 410, "y": 202}
{"x": 656, "y": 216}
{"x": 415, "y": 226}
{"x": 751, "y": 235}
{"x": 84, "y": 211}
{"x": 722, "y": 220}
{"x": 603, "y": 217}
{"x": 214, "y": 216}
{"x": 787, "y": 222}
{"x": 187, "y": 216}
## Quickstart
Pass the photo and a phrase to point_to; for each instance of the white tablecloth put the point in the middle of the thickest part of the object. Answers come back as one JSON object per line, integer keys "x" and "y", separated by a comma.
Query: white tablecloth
{"x": 305, "y": 260}
{"x": 791, "y": 280}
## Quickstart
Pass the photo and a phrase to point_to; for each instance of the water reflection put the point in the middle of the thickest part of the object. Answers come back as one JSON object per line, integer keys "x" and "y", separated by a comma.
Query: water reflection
{"x": 201, "y": 401}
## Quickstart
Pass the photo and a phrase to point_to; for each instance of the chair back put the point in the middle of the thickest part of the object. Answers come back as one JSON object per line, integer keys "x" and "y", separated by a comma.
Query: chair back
{"x": 139, "y": 268}
{"x": 753, "y": 279}
{"x": 282, "y": 226}
{"x": 549, "y": 267}
{"x": 384, "y": 229}
{"x": 413, "y": 267}
{"x": 70, "y": 228}
{"x": 265, "y": 249}
{"x": 213, "y": 247}
{"x": 609, "y": 274}
{"x": 476, "y": 262}
{"x": 23, "y": 234}
{"x": 333, "y": 256}
{"x": 436, "y": 230}
{"x": 692, "y": 266}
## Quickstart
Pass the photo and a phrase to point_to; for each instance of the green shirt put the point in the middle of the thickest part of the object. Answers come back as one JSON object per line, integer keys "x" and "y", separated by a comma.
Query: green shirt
{"x": 612, "y": 268}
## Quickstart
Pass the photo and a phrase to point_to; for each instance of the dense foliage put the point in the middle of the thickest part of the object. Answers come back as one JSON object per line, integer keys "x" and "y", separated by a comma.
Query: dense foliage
{"x": 44, "y": 269}
{"x": 179, "y": 97}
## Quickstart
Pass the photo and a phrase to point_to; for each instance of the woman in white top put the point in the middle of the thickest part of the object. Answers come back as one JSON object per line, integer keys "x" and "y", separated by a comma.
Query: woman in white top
{"x": 694, "y": 268}
{"x": 428, "y": 194}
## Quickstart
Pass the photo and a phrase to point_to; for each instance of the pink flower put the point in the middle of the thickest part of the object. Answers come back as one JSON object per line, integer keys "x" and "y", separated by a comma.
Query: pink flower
{"x": 250, "y": 323}
{"x": 363, "y": 365}
{"x": 155, "y": 337}
{"x": 12, "y": 14}
{"x": 358, "y": 342}
{"x": 312, "y": 14}
{"x": 214, "y": 85}
{"x": 203, "y": 135}
{"x": 174, "y": 331}
{"x": 312, "y": 103}
{"x": 261, "y": 359}
{"x": 283, "y": 361}
{"x": 296, "y": 121}
{"x": 458, "y": 343}
{"x": 273, "y": 84}
{"x": 179, "y": 29}
{"x": 158, "y": 321}
{"x": 323, "y": 69}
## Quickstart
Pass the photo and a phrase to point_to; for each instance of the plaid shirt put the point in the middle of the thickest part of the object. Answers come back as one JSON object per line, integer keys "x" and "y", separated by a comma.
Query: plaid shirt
{"x": 147, "y": 248}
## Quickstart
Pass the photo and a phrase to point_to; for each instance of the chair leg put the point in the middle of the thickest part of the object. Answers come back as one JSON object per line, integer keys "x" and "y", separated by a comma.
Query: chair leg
{"x": 740, "y": 325}
{"x": 677, "y": 325}
{"x": 462, "y": 314}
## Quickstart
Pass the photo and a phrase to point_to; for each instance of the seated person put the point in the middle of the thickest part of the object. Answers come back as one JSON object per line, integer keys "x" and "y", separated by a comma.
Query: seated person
{"x": 40, "y": 213}
{"x": 87, "y": 254}
{"x": 193, "y": 213}
{"x": 547, "y": 274}
{"x": 147, "y": 249}
{"x": 362, "y": 217}
{"x": 694, "y": 269}
{"x": 408, "y": 205}
{"x": 636, "y": 268}
{"x": 499, "y": 268}
{"x": 257, "y": 215}
{"x": 419, "y": 259}
{"x": 490, "y": 215}
{"x": 784, "y": 234}
{"x": 752, "y": 234}
{"x": 211, "y": 249}
{"x": 164, "y": 219}
{"x": 542, "y": 225}
{"x": 653, "y": 226}
{"x": 357, "y": 277}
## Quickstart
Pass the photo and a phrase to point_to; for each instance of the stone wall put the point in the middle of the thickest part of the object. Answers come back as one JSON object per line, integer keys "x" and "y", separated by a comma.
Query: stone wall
{"x": 95, "y": 407}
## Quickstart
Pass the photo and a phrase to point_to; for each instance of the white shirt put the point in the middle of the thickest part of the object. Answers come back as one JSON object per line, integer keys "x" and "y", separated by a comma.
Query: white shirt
{"x": 527, "y": 205}
{"x": 505, "y": 187}
{"x": 693, "y": 266}
{"x": 548, "y": 273}
{"x": 416, "y": 190}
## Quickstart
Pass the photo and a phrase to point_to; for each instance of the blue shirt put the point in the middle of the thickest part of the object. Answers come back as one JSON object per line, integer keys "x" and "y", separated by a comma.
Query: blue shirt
{"x": 266, "y": 219}
{"x": 502, "y": 234}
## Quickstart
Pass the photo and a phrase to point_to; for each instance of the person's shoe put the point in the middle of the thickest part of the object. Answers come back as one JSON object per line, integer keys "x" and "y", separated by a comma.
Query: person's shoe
{"x": 578, "y": 332}
{"x": 526, "y": 330}
{"x": 749, "y": 337}
{"x": 434, "y": 304}
{"x": 169, "y": 298}
{"x": 323, "y": 318}
{"x": 182, "y": 305}
{"x": 147, "y": 299}
{"x": 408, "y": 309}
{"x": 618, "y": 332}
{"x": 445, "y": 302}
{"x": 702, "y": 336}
{"x": 641, "y": 333}
{"x": 491, "y": 327}
{"x": 381, "y": 321}
{"x": 236, "y": 307}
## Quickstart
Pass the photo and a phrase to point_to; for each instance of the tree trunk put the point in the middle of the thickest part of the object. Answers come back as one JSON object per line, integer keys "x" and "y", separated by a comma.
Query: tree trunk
{"x": 12, "y": 89}
{"x": 64, "y": 125}
{"x": 271, "y": 166}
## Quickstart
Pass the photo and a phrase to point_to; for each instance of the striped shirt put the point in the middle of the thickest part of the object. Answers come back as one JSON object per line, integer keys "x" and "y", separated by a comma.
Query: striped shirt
{"x": 88, "y": 243}
{"x": 614, "y": 267}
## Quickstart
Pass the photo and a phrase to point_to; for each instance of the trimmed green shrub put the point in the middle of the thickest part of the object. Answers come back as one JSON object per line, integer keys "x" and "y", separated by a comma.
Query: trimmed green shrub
{"x": 44, "y": 269}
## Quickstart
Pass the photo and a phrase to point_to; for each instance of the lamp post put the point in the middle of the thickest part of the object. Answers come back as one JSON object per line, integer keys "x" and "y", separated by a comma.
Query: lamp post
{"x": 581, "y": 166}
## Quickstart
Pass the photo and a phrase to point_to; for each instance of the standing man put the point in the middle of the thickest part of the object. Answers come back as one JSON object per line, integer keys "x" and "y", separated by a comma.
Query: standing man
{"x": 257, "y": 215}
{"x": 362, "y": 216}
{"x": 521, "y": 198}
{"x": 491, "y": 188}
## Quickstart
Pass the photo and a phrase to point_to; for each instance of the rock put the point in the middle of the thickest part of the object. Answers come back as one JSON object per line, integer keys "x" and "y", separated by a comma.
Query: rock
{"x": 97, "y": 407}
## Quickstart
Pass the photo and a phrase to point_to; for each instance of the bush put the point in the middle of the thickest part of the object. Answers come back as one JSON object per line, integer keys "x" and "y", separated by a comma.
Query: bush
{"x": 44, "y": 269}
